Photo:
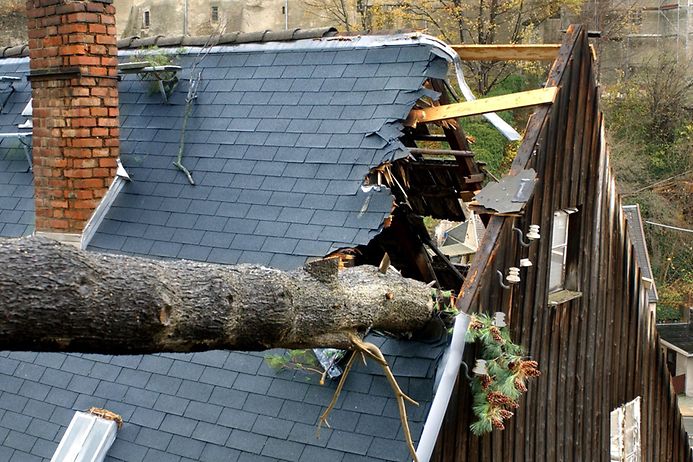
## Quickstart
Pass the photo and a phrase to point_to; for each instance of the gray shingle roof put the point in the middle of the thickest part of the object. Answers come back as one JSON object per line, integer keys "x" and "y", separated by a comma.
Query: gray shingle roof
{"x": 679, "y": 335}
{"x": 278, "y": 143}
{"x": 637, "y": 238}
{"x": 212, "y": 406}
{"x": 16, "y": 181}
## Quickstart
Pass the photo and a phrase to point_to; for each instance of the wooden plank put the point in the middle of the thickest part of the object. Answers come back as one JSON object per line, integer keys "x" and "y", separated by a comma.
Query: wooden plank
{"x": 507, "y": 52}
{"x": 455, "y": 136}
{"x": 555, "y": 184}
{"x": 576, "y": 328}
{"x": 482, "y": 106}
{"x": 441, "y": 152}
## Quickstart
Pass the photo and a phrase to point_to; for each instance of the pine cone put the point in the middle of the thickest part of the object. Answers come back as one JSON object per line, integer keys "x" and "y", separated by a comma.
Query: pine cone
{"x": 520, "y": 385}
{"x": 496, "y": 334}
{"x": 530, "y": 368}
{"x": 475, "y": 324}
{"x": 498, "y": 398}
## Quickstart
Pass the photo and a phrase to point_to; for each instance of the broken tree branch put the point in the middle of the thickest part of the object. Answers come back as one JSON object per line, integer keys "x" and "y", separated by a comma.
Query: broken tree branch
{"x": 54, "y": 297}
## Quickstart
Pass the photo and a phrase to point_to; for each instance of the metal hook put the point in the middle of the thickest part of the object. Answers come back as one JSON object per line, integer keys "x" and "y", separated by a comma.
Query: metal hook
{"x": 520, "y": 237}
{"x": 500, "y": 280}
{"x": 465, "y": 369}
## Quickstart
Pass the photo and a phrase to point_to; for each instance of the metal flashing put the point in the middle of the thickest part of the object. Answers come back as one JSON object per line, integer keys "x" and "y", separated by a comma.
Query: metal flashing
{"x": 104, "y": 206}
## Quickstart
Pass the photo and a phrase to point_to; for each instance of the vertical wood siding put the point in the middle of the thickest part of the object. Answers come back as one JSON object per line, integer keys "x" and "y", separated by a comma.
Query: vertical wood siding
{"x": 595, "y": 352}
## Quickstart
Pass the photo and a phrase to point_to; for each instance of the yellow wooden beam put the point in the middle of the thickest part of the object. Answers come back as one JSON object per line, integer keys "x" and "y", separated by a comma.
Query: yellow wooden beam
{"x": 512, "y": 52}
{"x": 482, "y": 106}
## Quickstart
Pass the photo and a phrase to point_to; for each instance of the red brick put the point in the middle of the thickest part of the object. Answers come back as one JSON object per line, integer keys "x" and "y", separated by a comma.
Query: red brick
{"x": 106, "y": 39}
{"x": 84, "y": 163}
{"x": 90, "y": 183}
{"x": 87, "y": 142}
{"x": 99, "y": 50}
{"x": 108, "y": 122}
{"x": 78, "y": 215}
{"x": 67, "y": 29}
{"x": 73, "y": 7}
{"x": 99, "y": 111}
{"x": 84, "y": 122}
{"x": 79, "y": 49}
{"x": 81, "y": 17}
{"x": 97, "y": 28}
{"x": 107, "y": 162}
{"x": 84, "y": 61}
{"x": 95, "y": 7}
{"x": 58, "y": 204}
{"x": 83, "y": 194}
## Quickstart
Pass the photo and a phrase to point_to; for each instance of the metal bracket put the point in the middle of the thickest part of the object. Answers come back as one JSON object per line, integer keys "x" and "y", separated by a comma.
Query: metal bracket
{"x": 165, "y": 76}
{"x": 510, "y": 194}
{"x": 54, "y": 73}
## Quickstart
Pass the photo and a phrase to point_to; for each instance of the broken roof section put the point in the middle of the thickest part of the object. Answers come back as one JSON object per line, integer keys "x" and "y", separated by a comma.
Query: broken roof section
{"x": 279, "y": 141}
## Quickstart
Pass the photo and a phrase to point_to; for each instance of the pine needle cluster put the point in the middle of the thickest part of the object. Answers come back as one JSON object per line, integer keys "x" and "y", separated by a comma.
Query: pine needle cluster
{"x": 500, "y": 375}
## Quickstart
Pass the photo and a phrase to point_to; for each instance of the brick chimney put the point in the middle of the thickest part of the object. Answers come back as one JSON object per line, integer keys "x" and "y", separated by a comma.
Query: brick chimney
{"x": 73, "y": 62}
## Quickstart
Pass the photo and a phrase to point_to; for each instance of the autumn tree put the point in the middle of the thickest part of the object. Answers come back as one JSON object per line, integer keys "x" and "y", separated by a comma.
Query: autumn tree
{"x": 347, "y": 15}
{"x": 482, "y": 22}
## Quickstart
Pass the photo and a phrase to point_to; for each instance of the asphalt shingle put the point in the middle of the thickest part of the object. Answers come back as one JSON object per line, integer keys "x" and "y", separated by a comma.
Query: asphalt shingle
{"x": 276, "y": 144}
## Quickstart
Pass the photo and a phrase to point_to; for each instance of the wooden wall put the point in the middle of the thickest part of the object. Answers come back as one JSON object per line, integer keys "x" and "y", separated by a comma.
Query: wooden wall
{"x": 595, "y": 352}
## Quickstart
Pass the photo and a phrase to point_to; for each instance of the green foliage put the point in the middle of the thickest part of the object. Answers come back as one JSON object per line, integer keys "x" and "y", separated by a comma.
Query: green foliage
{"x": 500, "y": 374}
{"x": 651, "y": 129}
{"x": 300, "y": 360}
{"x": 668, "y": 314}
{"x": 489, "y": 145}
{"x": 444, "y": 307}
{"x": 155, "y": 56}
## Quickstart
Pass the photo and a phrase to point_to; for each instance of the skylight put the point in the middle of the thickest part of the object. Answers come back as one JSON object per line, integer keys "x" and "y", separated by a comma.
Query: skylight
{"x": 87, "y": 439}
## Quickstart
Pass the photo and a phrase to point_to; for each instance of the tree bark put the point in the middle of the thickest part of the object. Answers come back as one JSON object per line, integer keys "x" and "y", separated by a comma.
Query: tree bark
{"x": 54, "y": 297}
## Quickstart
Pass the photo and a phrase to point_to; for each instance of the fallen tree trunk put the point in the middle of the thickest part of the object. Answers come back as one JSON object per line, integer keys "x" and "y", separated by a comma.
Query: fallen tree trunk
{"x": 54, "y": 297}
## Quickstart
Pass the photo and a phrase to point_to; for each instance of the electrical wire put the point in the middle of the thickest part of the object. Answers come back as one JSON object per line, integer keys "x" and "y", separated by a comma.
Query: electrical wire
{"x": 685, "y": 230}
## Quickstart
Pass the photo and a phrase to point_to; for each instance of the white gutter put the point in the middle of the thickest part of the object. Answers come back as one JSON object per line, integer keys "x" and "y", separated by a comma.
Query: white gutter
{"x": 679, "y": 350}
{"x": 436, "y": 414}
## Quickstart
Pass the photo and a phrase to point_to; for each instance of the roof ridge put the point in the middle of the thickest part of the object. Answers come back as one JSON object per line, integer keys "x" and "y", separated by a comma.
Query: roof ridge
{"x": 230, "y": 38}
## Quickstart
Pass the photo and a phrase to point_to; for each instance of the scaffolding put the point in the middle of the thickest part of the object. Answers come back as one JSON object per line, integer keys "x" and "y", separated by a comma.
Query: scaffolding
{"x": 668, "y": 23}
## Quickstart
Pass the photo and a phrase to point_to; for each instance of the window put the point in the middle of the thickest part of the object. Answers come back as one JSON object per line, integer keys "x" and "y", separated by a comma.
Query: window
{"x": 625, "y": 433}
{"x": 559, "y": 250}
{"x": 563, "y": 283}
{"x": 145, "y": 19}
{"x": 215, "y": 14}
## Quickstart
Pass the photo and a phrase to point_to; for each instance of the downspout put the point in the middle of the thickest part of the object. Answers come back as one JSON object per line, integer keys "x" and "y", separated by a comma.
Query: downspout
{"x": 434, "y": 421}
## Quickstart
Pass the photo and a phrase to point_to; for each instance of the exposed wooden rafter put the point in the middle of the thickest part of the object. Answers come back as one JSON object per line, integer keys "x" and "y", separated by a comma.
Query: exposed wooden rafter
{"x": 482, "y": 106}
{"x": 512, "y": 52}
